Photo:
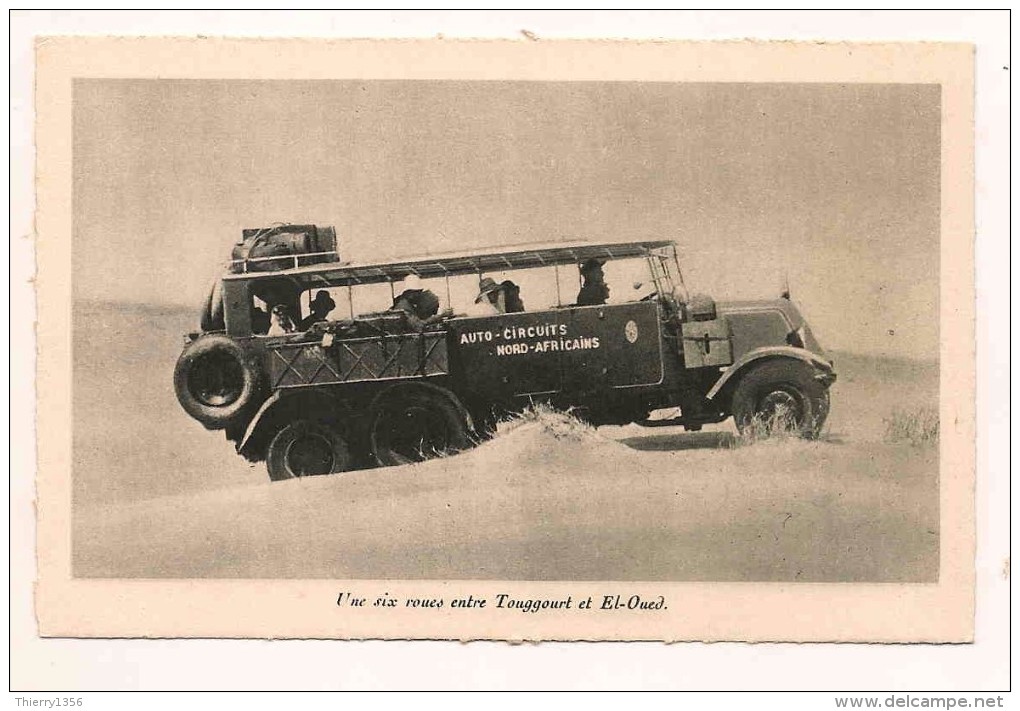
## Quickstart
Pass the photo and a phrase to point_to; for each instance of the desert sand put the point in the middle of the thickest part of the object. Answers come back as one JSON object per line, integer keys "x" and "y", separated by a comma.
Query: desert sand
{"x": 157, "y": 496}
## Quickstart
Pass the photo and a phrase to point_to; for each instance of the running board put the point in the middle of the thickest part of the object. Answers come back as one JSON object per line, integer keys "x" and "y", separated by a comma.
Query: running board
{"x": 671, "y": 422}
{"x": 689, "y": 425}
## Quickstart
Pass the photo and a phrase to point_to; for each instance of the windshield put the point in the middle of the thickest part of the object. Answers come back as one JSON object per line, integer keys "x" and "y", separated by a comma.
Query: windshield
{"x": 666, "y": 273}
{"x": 673, "y": 271}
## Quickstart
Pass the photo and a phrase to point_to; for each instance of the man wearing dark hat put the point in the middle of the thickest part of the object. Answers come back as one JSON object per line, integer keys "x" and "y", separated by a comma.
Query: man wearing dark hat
{"x": 594, "y": 290}
{"x": 320, "y": 307}
{"x": 512, "y": 301}
{"x": 419, "y": 304}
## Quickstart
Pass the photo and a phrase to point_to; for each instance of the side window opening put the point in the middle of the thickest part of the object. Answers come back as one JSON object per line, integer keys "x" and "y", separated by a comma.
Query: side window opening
{"x": 318, "y": 303}
{"x": 365, "y": 299}
{"x": 523, "y": 290}
{"x": 275, "y": 306}
{"x": 628, "y": 280}
{"x": 259, "y": 316}
{"x": 549, "y": 288}
{"x": 436, "y": 290}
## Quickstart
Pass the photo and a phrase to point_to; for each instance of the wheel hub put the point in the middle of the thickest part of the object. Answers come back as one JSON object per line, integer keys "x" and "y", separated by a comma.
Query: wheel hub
{"x": 413, "y": 432}
{"x": 780, "y": 405}
{"x": 217, "y": 380}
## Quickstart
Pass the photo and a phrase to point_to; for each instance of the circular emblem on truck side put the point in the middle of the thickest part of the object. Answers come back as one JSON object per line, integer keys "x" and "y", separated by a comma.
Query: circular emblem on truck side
{"x": 630, "y": 331}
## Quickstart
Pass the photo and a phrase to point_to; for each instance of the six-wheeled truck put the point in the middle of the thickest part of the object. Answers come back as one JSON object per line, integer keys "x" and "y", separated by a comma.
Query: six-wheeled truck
{"x": 371, "y": 389}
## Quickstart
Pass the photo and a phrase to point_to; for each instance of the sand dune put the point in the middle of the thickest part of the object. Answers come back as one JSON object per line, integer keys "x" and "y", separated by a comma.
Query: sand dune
{"x": 158, "y": 496}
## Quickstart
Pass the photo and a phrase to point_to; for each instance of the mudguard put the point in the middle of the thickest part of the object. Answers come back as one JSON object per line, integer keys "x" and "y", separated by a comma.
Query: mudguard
{"x": 303, "y": 401}
{"x": 254, "y": 424}
{"x": 824, "y": 367}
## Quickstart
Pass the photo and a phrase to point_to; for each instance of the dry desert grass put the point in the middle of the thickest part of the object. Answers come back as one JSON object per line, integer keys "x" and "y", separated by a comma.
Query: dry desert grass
{"x": 918, "y": 427}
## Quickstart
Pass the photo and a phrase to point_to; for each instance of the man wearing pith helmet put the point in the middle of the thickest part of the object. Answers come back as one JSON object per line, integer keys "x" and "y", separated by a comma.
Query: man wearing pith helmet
{"x": 419, "y": 304}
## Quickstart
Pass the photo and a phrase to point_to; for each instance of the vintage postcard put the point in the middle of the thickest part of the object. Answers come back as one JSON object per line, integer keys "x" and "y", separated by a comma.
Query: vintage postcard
{"x": 505, "y": 340}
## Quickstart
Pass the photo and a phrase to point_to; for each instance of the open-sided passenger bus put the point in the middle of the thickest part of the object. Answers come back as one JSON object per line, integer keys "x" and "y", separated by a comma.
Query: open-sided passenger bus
{"x": 367, "y": 387}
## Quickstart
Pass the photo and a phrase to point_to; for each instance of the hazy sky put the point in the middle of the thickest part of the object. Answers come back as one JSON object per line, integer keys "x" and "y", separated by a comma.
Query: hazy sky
{"x": 836, "y": 185}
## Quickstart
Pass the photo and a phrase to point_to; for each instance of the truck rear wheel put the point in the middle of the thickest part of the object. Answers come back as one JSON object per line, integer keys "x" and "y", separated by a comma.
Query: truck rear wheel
{"x": 781, "y": 394}
{"x": 412, "y": 424}
{"x": 307, "y": 448}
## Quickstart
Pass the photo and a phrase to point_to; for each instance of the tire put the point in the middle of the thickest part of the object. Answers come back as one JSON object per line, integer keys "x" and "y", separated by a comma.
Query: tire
{"x": 215, "y": 382}
{"x": 212, "y": 313}
{"x": 414, "y": 424}
{"x": 307, "y": 448}
{"x": 486, "y": 425}
{"x": 785, "y": 389}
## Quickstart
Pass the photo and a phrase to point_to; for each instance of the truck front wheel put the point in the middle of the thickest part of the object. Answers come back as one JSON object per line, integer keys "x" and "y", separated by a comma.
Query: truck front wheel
{"x": 307, "y": 448}
{"x": 780, "y": 394}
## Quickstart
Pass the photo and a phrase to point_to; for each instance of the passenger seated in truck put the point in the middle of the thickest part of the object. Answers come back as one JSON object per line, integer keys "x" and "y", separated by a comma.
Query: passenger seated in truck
{"x": 419, "y": 305}
{"x": 260, "y": 321}
{"x": 490, "y": 300}
{"x": 280, "y": 321}
{"x": 319, "y": 309}
{"x": 594, "y": 290}
{"x": 512, "y": 301}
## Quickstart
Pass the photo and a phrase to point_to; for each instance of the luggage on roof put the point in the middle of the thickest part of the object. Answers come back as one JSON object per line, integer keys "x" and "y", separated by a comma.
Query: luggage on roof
{"x": 267, "y": 249}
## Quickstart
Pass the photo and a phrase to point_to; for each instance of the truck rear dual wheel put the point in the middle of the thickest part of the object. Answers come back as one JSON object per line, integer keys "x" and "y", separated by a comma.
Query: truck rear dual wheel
{"x": 781, "y": 393}
{"x": 414, "y": 424}
{"x": 307, "y": 448}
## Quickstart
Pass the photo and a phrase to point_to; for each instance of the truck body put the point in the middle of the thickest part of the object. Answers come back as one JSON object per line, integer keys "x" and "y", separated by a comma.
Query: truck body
{"x": 372, "y": 389}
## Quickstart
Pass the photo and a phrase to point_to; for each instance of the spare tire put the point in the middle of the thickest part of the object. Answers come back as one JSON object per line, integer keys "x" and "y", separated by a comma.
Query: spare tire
{"x": 215, "y": 381}
{"x": 212, "y": 313}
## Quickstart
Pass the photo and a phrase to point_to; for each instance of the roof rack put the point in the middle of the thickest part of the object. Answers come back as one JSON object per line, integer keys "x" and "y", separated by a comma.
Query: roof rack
{"x": 290, "y": 261}
{"x": 344, "y": 274}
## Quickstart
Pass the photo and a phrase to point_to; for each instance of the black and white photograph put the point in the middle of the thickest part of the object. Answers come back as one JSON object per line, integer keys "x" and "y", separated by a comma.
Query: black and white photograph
{"x": 643, "y": 331}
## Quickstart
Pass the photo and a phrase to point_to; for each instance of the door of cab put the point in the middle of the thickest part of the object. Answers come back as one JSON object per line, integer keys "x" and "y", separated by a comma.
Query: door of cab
{"x": 611, "y": 347}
